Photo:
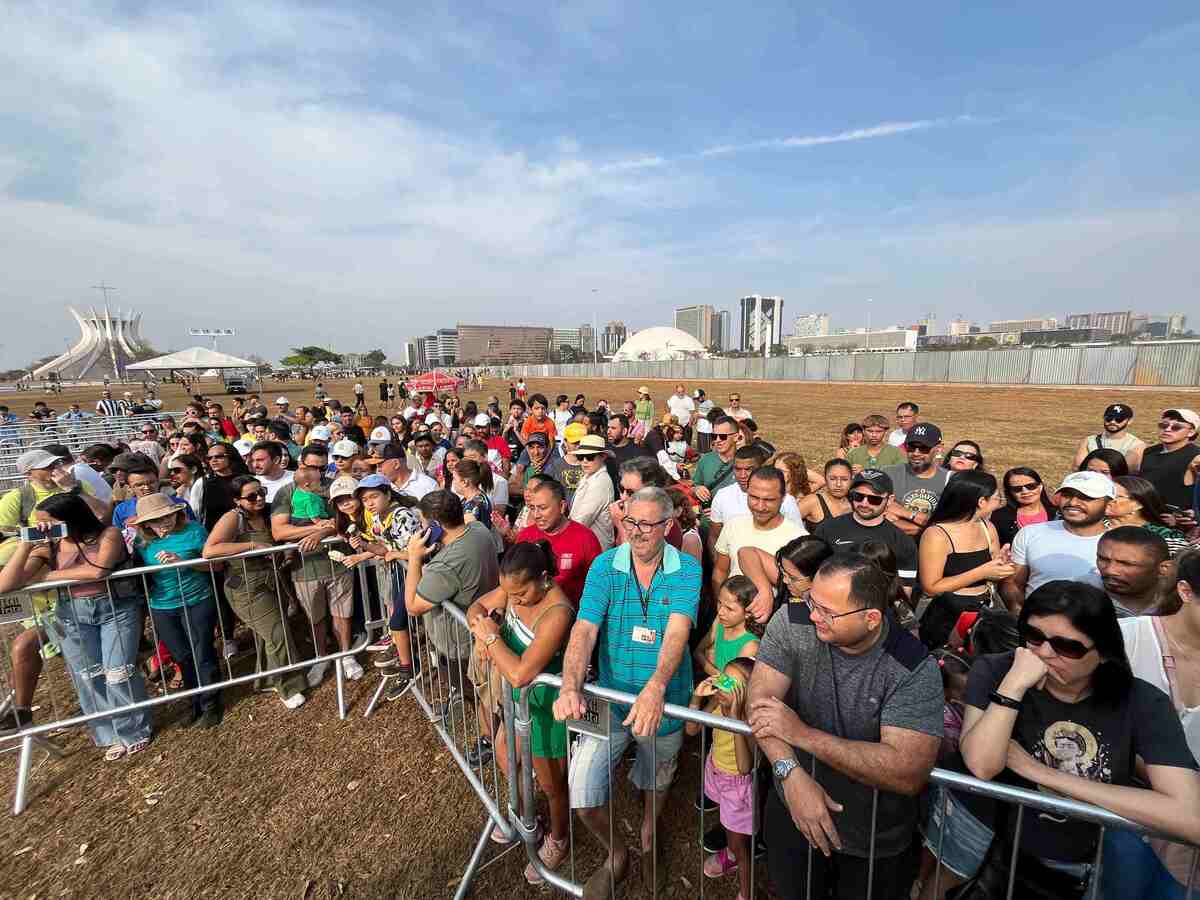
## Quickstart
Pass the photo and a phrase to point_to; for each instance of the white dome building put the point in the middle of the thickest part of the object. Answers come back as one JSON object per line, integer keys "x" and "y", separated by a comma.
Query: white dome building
{"x": 662, "y": 343}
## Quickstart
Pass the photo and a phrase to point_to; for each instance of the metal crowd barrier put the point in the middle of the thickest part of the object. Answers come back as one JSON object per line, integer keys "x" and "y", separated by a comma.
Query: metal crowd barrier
{"x": 20, "y": 608}
{"x": 15, "y": 439}
{"x": 443, "y": 701}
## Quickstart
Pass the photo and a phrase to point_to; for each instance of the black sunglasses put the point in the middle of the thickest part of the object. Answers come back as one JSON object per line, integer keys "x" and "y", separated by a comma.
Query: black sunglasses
{"x": 920, "y": 448}
{"x": 253, "y": 495}
{"x": 718, "y": 436}
{"x": 964, "y": 454}
{"x": 1068, "y": 648}
{"x": 1115, "y": 418}
{"x": 859, "y": 497}
{"x": 1024, "y": 488}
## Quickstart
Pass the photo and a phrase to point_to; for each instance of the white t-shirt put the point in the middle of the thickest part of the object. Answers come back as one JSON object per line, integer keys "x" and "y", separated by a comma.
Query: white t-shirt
{"x": 730, "y": 502}
{"x": 272, "y": 485}
{"x": 562, "y": 418}
{"x": 703, "y": 426}
{"x": 740, "y": 532}
{"x": 409, "y": 411}
{"x": 897, "y": 436}
{"x": 417, "y": 485}
{"x": 359, "y": 389}
{"x": 681, "y": 407}
{"x": 739, "y": 414}
{"x": 1053, "y": 553}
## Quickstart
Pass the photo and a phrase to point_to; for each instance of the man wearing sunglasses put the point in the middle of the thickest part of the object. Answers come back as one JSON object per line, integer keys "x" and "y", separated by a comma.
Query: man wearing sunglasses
{"x": 870, "y": 493}
{"x": 837, "y": 682}
{"x": 1115, "y": 436}
{"x": 918, "y": 482}
{"x": 1064, "y": 549}
{"x": 1166, "y": 465}
{"x": 714, "y": 469}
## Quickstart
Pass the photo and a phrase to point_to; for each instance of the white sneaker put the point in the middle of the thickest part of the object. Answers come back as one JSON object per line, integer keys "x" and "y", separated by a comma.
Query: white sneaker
{"x": 229, "y": 649}
{"x": 295, "y": 701}
{"x": 317, "y": 674}
{"x": 351, "y": 669}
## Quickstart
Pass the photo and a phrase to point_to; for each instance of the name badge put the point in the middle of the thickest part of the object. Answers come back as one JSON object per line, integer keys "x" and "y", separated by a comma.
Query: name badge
{"x": 644, "y": 635}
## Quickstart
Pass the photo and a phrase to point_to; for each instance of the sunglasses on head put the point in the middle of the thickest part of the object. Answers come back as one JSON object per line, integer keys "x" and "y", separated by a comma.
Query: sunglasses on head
{"x": 1068, "y": 648}
{"x": 964, "y": 454}
{"x": 254, "y": 495}
{"x": 860, "y": 497}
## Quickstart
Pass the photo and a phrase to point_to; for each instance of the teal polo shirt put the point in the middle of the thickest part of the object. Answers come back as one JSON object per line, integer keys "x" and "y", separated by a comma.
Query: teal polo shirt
{"x": 612, "y": 600}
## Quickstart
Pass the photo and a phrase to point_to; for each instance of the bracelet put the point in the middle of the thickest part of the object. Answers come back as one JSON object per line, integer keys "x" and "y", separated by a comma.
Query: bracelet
{"x": 1000, "y": 700}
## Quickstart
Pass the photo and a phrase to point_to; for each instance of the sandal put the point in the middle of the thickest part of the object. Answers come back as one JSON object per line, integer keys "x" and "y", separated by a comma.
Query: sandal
{"x": 113, "y": 753}
{"x": 137, "y": 747}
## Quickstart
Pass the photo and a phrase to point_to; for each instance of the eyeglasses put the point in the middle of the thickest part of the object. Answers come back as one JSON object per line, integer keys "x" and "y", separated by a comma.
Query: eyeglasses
{"x": 1173, "y": 426}
{"x": 860, "y": 497}
{"x": 1068, "y": 648}
{"x": 213, "y": 457}
{"x": 826, "y": 616}
{"x": 722, "y": 435}
{"x": 1026, "y": 488}
{"x": 631, "y": 523}
{"x": 627, "y": 492}
{"x": 735, "y": 399}
{"x": 253, "y": 496}
{"x": 963, "y": 454}
{"x": 176, "y": 471}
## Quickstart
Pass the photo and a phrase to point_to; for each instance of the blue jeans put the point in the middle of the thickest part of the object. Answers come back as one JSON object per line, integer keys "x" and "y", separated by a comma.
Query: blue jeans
{"x": 1131, "y": 870}
{"x": 99, "y": 639}
{"x": 188, "y": 633}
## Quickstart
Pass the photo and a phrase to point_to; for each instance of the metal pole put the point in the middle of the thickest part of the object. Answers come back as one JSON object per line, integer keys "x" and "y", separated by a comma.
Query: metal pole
{"x": 464, "y": 886}
{"x": 22, "y": 775}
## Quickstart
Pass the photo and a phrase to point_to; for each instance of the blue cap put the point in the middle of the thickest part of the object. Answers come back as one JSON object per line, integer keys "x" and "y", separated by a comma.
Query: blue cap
{"x": 374, "y": 481}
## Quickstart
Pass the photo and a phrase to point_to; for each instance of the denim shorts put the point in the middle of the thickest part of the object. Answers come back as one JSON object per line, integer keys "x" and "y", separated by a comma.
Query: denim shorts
{"x": 965, "y": 843}
{"x": 593, "y": 758}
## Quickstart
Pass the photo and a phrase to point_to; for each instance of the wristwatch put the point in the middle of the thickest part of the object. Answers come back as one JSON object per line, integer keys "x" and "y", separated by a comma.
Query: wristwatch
{"x": 490, "y": 639}
{"x": 783, "y": 768}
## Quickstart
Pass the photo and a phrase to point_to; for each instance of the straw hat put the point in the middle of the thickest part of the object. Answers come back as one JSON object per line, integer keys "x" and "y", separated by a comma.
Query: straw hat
{"x": 155, "y": 506}
{"x": 592, "y": 445}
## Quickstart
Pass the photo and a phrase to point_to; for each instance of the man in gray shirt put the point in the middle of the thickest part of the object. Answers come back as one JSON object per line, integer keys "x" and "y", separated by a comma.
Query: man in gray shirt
{"x": 843, "y": 703}
{"x": 919, "y": 482}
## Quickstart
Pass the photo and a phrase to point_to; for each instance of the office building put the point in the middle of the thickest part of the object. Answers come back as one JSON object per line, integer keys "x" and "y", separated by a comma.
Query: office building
{"x": 1116, "y": 322}
{"x": 1154, "y": 325}
{"x": 1048, "y": 323}
{"x": 722, "y": 331}
{"x": 407, "y": 355}
{"x": 612, "y": 338}
{"x": 891, "y": 339}
{"x": 960, "y": 327}
{"x": 503, "y": 344}
{"x": 698, "y": 321}
{"x": 811, "y": 325}
{"x": 1066, "y": 336}
{"x": 761, "y": 322}
{"x": 567, "y": 337}
{"x": 587, "y": 340}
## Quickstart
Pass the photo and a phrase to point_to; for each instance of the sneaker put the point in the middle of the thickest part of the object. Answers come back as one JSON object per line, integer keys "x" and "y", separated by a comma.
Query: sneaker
{"x": 387, "y": 659}
{"x": 715, "y": 840}
{"x": 380, "y": 645}
{"x": 295, "y": 701}
{"x": 704, "y": 803}
{"x": 552, "y": 853}
{"x": 481, "y": 754}
{"x": 351, "y": 669}
{"x": 720, "y": 864}
{"x": 229, "y": 649}
{"x": 317, "y": 674}
{"x": 15, "y": 720}
{"x": 398, "y": 685}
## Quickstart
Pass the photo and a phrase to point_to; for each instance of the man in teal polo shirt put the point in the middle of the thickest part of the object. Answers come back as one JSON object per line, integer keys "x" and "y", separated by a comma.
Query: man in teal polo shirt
{"x": 639, "y": 602}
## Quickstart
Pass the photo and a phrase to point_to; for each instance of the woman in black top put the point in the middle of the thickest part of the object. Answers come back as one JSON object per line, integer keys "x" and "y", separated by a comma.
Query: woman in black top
{"x": 1027, "y": 498}
{"x": 1064, "y": 715}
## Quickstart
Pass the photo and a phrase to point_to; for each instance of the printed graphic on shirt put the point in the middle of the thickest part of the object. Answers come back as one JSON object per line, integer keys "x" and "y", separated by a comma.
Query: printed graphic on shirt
{"x": 1072, "y": 748}
{"x": 920, "y": 501}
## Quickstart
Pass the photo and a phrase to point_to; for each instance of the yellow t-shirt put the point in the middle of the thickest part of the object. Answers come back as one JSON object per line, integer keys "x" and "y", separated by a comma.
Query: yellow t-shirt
{"x": 724, "y": 753}
{"x": 10, "y": 512}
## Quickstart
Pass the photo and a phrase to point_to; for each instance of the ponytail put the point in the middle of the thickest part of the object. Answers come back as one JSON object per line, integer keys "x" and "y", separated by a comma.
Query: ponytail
{"x": 530, "y": 560}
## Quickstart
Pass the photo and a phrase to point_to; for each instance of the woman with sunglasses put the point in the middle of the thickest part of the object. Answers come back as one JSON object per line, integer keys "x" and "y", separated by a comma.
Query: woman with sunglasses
{"x": 1028, "y": 504}
{"x": 1135, "y": 869}
{"x": 250, "y": 584}
{"x": 187, "y": 479}
{"x": 1065, "y": 715}
{"x": 964, "y": 456}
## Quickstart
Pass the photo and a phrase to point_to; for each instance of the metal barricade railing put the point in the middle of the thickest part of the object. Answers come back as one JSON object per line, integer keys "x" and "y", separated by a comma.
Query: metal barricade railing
{"x": 451, "y": 723}
{"x": 111, "y": 655}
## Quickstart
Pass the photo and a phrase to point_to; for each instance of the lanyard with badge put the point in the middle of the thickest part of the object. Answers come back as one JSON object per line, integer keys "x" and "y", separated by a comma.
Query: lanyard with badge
{"x": 644, "y": 634}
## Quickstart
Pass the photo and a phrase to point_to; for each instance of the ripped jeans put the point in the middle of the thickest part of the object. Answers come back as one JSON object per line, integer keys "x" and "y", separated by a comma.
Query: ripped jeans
{"x": 99, "y": 639}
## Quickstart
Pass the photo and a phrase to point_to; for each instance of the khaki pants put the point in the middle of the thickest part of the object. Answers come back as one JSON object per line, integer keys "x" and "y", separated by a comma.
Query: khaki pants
{"x": 273, "y": 637}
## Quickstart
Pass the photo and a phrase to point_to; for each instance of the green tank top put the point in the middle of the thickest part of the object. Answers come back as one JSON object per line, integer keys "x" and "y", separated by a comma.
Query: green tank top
{"x": 726, "y": 651}
{"x": 518, "y": 637}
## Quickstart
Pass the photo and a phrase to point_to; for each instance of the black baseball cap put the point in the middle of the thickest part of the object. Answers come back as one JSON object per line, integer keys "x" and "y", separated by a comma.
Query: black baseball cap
{"x": 1118, "y": 411}
{"x": 880, "y": 481}
{"x": 387, "y": 451}
{"x": 537, "y": 438}
{"x": 925, "y": 433}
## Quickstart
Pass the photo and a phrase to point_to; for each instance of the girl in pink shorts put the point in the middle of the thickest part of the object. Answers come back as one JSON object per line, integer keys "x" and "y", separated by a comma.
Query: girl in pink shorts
{"x": 729, "y": 770}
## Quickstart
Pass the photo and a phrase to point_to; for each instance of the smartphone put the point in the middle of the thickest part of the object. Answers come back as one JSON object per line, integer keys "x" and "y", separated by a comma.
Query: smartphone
{"x": 726, "y": 683}
{"x": 34, "y": 535}
{"x": 433, "y": 534}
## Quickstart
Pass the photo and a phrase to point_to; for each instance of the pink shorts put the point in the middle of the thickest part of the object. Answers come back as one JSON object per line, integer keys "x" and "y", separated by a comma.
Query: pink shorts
{"x": 735, "y": 794}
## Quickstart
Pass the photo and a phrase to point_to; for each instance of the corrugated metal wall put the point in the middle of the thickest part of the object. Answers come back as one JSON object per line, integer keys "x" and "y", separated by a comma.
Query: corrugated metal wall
{"x": 1158, "y": 364}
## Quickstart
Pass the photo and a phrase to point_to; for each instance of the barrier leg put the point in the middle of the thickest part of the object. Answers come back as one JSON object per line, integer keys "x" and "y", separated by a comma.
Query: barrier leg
{"x": 341, "y": 688}
{"x": 464, "y": 886}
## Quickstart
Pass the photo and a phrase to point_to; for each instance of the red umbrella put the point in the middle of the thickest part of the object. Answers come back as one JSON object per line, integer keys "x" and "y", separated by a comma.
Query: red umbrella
{"x": 434, "y": 381}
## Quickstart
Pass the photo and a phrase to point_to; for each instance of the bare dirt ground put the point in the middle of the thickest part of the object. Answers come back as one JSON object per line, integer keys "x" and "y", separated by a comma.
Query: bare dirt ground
{"x": 301, "y": 805}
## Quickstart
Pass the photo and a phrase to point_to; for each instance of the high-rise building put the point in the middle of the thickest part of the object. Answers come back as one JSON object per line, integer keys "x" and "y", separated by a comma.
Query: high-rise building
{"x": 811, "y": 325}
{"x": 1116, "y": 322}
{"x": 567, "y": 337}
{"x": 1047, "y": 323}
{"x": 503, "y": 344}
{"x": 762, "y": 322}
{"x": 613, "y": 337}
{"x": 587, "y": 340}
{"x": 698, "y": 321}
{"x": 722, "y": 331}
{"x": 960, "y": 327}
{"x": 407, "y": 357}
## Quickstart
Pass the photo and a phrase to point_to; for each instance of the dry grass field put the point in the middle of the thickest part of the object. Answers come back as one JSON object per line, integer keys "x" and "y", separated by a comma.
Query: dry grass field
{"x": 301, "y": 805}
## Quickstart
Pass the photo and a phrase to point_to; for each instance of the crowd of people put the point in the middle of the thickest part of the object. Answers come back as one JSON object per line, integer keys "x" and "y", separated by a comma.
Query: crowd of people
{"x": 893, "y": 608}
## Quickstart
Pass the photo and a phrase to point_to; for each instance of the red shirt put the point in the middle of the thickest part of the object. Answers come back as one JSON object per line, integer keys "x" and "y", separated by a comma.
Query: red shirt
{"x": 575, "y": 547}
{"x": 500, "y": 445}
{"x": 532, "y": 426}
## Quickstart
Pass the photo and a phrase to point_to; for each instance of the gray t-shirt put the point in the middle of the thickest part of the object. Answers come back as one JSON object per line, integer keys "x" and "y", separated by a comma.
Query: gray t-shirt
{"x": 460, "y": 573}
{"x": 896, "y": 683}
{"x": 918, "y": 495}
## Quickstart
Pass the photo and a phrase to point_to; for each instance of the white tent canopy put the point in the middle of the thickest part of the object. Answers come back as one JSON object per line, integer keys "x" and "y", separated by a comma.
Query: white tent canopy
{"x": 194, "y": 358}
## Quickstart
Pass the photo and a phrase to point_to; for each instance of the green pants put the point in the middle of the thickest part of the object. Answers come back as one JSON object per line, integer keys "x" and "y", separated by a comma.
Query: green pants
{"x": 276, "y": 646}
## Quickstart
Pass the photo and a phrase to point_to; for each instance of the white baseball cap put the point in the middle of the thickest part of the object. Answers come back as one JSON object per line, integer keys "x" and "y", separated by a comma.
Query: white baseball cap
{"x": 380, "y": 435}
{"x": 281, "y": 401}
{"x": 345, "y": 449}
{"x": 483, "y": 420}
{"x": 1188, "y": 415}
{"x": 36, "y": 459}
{"x": 1095, "y": 485}
{"x": 343, "y": 486}
{"x": 433, "y": 417}
{"x": 243, "y": 446}
{"x": 320, "y": 433}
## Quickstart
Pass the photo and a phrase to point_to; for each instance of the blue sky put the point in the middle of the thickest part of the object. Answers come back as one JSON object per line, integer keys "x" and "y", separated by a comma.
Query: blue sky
{"x": 355, "y": 175}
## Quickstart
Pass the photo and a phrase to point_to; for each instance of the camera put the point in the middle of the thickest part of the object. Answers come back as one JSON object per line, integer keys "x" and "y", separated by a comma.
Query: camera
{"x": 35, "y": 535}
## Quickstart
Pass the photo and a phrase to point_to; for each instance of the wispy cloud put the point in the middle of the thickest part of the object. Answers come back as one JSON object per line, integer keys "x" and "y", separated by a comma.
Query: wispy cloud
{"x": 883, "y": 129}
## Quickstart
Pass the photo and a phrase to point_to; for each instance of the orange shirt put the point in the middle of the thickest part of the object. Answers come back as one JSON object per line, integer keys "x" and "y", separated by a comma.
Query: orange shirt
{"x": 546, "y": 427}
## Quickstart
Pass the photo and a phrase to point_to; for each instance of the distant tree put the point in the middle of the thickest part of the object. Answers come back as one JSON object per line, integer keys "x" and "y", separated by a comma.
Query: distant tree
{"x": 567, "y": 354}
{"x": 984, "y": 343}
{"x": 306, "y": 357}
{"x": 1121, "y": 339}
{"x": 374, "y": 359}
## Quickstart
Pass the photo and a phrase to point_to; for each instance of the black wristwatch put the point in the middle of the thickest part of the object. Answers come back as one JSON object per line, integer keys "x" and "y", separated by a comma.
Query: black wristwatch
{"x": 1000, "y": 700}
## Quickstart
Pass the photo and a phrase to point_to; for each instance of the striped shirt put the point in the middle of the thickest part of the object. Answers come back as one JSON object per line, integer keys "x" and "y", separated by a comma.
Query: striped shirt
{"x": 612, "y": 599}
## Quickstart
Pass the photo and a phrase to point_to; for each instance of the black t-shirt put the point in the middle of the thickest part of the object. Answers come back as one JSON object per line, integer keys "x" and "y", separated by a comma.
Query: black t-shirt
{"x": 1166, "y": 470}
{"x": 1089, "y": 739}
{"x": 845, "y": 533}
{"x": 629, "y": 451}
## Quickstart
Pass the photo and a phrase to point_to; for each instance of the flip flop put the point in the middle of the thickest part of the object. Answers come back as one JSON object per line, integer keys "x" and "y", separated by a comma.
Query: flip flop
{"x": 113, "y": 753}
